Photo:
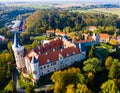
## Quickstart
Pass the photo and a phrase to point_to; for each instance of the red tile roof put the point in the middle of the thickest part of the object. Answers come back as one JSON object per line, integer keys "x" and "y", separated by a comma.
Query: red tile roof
{"x": 49, "y": 46}
{"x": 84, "y": 41}
{"x": 52, "y": 55}
{"x": 104, "y": 36}
{"x": 51, "y": 31}
{"x": 57, "y": 33}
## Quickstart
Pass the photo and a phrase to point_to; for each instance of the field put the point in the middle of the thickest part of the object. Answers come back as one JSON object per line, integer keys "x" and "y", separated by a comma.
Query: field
{"x": 101, "y": 10}
{"x": 109, "y": 10}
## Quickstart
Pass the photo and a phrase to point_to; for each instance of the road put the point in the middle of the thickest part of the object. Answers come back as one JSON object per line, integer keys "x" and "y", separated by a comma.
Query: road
{"x": 16, "y": 84}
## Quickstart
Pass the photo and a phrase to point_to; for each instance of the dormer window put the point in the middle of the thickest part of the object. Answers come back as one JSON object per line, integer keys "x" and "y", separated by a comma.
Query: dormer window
{"x": 53, "y": 49}
{"x": 48, "y": 61}
{"x": 60, "y": 57}
{"x": 67, "y": 55}
{"x": 73, "y": 52}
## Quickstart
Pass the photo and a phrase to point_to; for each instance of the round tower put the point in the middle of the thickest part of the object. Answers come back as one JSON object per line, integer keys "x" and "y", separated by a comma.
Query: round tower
{"x": 35, "y": 70}
{"x": 18, "y": 52}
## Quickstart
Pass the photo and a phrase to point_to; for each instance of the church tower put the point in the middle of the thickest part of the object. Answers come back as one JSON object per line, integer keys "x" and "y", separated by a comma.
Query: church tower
{"x": 18, "y": 52}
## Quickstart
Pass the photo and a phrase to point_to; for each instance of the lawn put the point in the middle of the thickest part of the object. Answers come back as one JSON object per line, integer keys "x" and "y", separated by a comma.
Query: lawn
{"x": 23, "y": 84}
{"x": 40, "y": 38}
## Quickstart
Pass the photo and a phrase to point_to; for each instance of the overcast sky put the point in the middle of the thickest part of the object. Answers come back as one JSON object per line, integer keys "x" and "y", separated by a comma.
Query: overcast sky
{"x": 88, "y": 1}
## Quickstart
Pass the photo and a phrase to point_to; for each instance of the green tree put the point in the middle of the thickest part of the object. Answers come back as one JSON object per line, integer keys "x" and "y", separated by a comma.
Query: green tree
{"x": 109, "y": 87}
{"x": 5, "y": 74}
{"x": 114, "y": 72}
{"x": 81, "y": 88}
{"x": 91, "y": 52}
{"x": 63, "y": 78}
{"x": 92, "y": 65}
{"x": 108, "y": 62}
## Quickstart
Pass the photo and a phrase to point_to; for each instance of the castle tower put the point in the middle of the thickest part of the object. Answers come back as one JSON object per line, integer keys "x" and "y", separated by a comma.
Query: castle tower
{"x": 18, "y": 52}
{"x": 96, "y": 37}
{"x": 35, "y": 70}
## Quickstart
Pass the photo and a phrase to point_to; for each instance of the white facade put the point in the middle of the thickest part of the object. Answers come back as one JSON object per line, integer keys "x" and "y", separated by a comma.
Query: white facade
{"x": 35, "y": 69}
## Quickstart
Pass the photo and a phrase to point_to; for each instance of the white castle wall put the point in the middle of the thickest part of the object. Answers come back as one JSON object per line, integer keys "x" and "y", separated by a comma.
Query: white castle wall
{"x": 19, "y": 53}
{"x": 35, "y": 71}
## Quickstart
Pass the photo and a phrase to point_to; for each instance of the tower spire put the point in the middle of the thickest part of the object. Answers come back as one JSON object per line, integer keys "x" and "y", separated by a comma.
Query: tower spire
{"x": 34, "y": 60}
{"x": 16, "y": 40}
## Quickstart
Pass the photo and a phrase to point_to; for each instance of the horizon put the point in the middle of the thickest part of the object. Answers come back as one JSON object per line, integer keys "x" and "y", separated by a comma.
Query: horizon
{"x": 69, "y": 1}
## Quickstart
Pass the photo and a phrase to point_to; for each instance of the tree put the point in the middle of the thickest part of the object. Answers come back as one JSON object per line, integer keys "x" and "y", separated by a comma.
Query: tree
{"x": 91, "y": 52}
{"x": 63, "y": 78}
{"x": 114, "y": 72}
{"x": 81, "y": 88}
{"x": 109, "y": 87}
{"x": 108, "y": 62}
{"x": 4, "y": 69}
{"x": 92, "y": 65}
{"x": 113, "y": 42}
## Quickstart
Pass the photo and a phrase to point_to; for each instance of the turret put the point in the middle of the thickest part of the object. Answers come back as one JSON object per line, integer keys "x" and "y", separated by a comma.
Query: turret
{"x": 35, "y": 70}
{"x": 96, "y": 38}
{"x": 18, "y": 52}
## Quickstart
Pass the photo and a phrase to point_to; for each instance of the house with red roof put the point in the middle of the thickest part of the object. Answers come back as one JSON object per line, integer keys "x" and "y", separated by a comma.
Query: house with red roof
{"x": 104, "y": 37}
{"x": 92, "y": 28}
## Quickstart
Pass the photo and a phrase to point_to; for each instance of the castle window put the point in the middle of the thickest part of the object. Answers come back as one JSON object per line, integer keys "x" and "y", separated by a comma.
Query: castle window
{"x": 48, "y": 60}
{"x": 48, "y": 70}
{"x": 41, "y": 68}
{"x": 47, "y": 65}
{"x": 73, "y": 52}
{"x": 67, "y": 55}
{"x": 42, "y": 73}
{"x": 54, "y": 68}
{"x": 34, "y": 72}
{"x": 44, "y": 66}
{"x": 53, "y": 63}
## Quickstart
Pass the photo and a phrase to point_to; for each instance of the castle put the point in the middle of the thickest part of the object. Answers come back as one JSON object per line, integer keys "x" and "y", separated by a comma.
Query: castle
{"x": 49, "y": 57}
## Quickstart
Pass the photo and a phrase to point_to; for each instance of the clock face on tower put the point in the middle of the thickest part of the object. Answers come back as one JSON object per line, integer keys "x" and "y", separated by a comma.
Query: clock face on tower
{"x": 34, "y": 72}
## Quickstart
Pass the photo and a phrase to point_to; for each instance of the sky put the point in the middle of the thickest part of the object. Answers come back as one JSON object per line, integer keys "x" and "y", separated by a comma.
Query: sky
{"x": 84, "y": 1}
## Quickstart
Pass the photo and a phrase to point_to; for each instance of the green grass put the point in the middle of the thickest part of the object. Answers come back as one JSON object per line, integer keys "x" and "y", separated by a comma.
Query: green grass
{"x": 40, "y": 38}
{"x": 100, "y": 10}
{"x": 23, "y": 82}
{"x": 39, "y": 6}
{"x": 109, "y": 10}
{"x": 9, "y": 87}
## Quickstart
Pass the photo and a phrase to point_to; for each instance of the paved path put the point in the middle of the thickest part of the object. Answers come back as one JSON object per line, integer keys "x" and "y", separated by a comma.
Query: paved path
{"x": 45, "y": 87}
{"x": 18, "y": 88}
